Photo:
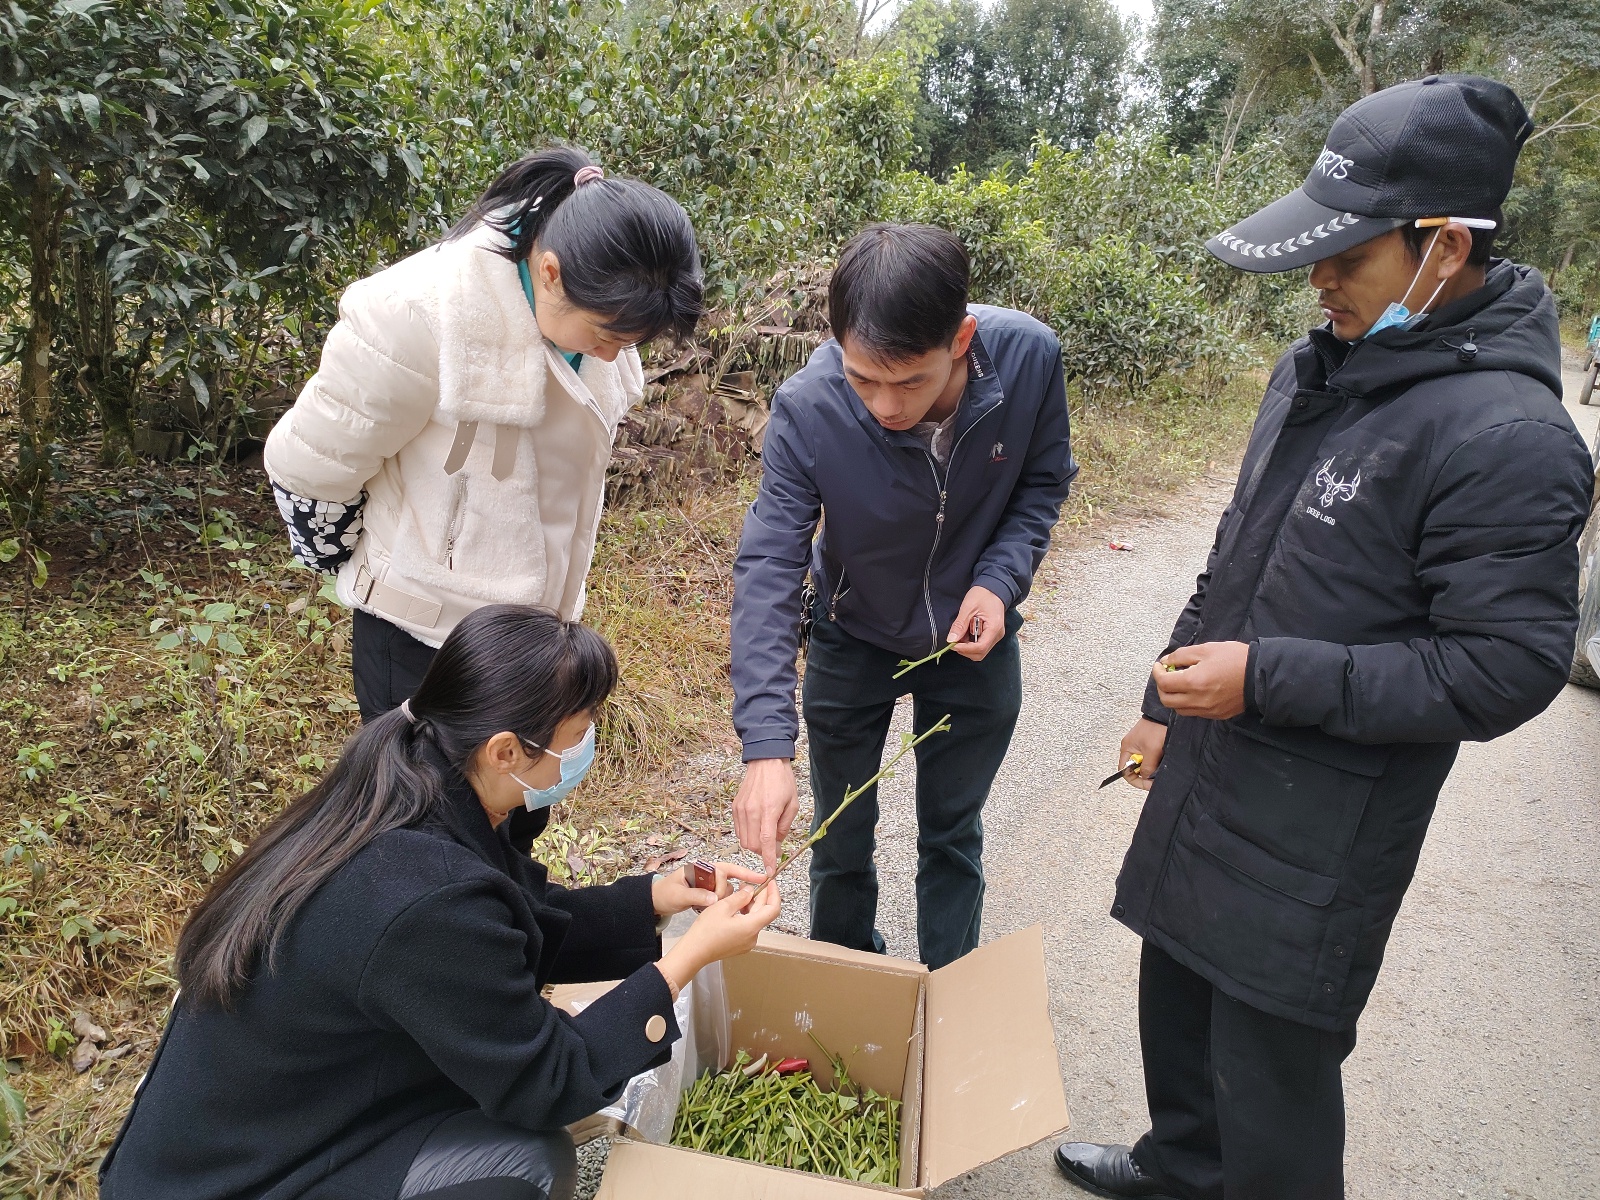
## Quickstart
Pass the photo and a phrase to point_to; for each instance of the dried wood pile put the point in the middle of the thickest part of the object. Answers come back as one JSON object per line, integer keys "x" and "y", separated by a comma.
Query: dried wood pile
{"x": 706, "y": 409}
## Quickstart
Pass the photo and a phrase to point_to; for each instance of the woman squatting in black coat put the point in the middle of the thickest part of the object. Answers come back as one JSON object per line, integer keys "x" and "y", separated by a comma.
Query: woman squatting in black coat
{"x": 360, "y": 1012}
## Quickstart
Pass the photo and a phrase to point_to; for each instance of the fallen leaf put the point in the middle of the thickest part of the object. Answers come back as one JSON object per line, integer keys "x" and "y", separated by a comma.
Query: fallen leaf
{"x": 86, "y": 1029}
{"x": 85, "y": 1056}
{"x": 575, "y": 863}
{"x": 113, "y": 1055}
{"x": 656, "y": 861}
{"x": 655, "y": 839}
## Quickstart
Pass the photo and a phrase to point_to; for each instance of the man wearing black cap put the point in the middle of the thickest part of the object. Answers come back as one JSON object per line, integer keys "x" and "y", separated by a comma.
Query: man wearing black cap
{"x": 1397, "y": 573}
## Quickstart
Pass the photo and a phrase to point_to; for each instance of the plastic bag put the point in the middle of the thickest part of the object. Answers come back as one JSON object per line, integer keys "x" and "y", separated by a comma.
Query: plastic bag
{"x": 648, "y": 1106}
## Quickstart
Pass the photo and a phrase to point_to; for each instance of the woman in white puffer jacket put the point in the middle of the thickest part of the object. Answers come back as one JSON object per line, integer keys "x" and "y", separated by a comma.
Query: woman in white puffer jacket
{"x": 451, "y": 449}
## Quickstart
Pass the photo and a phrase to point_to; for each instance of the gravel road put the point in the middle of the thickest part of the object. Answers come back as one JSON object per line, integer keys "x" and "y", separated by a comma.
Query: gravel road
{"x": 1480, "y": 1051}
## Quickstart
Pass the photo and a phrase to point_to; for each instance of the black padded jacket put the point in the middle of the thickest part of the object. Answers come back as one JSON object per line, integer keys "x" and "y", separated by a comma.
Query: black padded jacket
{"x": 1400, "y": 554}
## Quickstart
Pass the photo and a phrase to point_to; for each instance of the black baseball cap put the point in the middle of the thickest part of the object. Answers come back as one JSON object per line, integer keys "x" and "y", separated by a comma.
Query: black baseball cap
{"x": 1444, "y": 146}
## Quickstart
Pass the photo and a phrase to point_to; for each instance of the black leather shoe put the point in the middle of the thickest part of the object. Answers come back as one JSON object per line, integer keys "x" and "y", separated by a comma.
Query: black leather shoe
{"x": 1107, "y": 1171}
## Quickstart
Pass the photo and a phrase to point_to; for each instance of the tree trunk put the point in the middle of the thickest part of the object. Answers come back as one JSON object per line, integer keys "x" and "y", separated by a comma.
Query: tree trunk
{"x": 35, "y": 404}
{"x": 103, "y": 382}
{"x": 1369, "y": 72}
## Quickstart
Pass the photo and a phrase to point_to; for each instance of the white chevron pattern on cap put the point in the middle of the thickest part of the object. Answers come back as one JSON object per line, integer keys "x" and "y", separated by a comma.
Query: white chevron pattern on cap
{"x": 1288, "y": 245}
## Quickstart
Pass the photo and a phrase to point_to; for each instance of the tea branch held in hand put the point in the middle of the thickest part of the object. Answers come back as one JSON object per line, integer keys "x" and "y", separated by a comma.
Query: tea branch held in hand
{"x": 907, "y": 665}
{"x": 907, "y": 744}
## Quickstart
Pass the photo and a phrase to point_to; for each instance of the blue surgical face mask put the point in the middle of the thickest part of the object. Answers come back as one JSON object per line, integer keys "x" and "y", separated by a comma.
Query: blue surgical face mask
{"x": 575, "y": 764}
{"x": 1397, "y": 314}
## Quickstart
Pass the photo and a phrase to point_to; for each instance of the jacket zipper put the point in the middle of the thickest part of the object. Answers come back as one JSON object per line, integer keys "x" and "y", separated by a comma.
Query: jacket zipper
{"x": 938, "y": 524}
{"x": 839, "y": 589}
{"x": 458, "y": 495}
{"x": 938, "y": 532}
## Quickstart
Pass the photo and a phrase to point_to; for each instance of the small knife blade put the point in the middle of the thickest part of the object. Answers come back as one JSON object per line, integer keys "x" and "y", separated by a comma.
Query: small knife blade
{"x": 1134, "y": 760}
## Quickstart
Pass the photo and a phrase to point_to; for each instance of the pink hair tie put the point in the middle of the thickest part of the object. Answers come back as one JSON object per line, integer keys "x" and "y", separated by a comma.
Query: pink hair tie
{"x": 587, "y": 175}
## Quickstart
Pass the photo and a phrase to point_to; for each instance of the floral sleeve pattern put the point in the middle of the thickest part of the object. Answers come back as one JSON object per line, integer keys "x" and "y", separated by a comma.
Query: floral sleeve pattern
{"x": 322, "y": 533}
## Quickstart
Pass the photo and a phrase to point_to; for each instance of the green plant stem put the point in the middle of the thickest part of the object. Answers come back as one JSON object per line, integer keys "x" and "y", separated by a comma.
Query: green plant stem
{"x": 942, "y": 725}
{"x": 907, "y": 665}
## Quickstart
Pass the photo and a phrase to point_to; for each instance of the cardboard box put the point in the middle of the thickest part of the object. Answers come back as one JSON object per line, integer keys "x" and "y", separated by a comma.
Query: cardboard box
{"x": 968, "y": 1049}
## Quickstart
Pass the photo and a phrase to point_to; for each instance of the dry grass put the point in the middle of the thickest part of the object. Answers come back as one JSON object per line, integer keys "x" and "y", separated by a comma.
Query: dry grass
{"x": 1133, "y": 457}
{"x": 150, "y": 767}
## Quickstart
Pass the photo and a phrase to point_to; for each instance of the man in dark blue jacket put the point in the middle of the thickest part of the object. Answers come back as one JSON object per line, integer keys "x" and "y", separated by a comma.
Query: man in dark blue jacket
{"x": 1397, "y": 572}
{"x": 934, "y": 436}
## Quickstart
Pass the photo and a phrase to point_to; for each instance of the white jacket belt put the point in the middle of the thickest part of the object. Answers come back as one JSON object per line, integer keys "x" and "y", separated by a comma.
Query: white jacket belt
{"x": 441, "y": 352}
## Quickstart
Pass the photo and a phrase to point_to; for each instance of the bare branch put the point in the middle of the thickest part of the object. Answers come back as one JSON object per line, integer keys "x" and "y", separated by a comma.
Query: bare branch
{"x": 1565, "y": 124}
{"x": 1351, "y": 55}
{"x": 1369, "y": 72}
{"x": 1316, "y": 69}
{"x": 1236, "y": 121}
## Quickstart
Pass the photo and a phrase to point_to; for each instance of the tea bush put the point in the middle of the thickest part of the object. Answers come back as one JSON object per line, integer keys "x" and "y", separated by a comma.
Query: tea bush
{"x": 1106, "y": 245}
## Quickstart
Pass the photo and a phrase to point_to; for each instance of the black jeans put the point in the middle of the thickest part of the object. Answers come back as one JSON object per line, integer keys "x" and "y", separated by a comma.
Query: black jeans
{"x": 387, "y": 662}
{"x": 849, "y": 698}
{"x": 1243, "y": 1105}
{"x": 471, "y": 1157}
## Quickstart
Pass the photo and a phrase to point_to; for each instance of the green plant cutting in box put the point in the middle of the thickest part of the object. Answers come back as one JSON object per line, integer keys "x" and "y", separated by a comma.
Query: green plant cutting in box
{"x": 778, "y": 1114}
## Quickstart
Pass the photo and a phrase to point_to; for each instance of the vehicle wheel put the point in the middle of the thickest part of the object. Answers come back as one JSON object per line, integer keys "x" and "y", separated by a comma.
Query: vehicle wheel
{"x": 1588, "y": 601}
{"x": 1588, "y": 382}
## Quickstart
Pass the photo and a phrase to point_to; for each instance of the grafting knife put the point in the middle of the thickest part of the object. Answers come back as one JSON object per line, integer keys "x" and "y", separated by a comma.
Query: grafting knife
{"x": 1134, "y": 761}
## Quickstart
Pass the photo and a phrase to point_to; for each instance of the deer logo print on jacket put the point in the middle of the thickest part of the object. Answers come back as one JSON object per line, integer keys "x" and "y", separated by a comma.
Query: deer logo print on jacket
{"x": 1334, "y": 488}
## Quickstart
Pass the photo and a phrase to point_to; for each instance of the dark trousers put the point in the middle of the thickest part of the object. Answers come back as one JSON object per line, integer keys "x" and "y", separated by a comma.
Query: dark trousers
{"x": 472, "y": 1157}
{"x": 1243, "y": 1105}
{"x": 849, "y": 697}
{"x": 387, "y": 662}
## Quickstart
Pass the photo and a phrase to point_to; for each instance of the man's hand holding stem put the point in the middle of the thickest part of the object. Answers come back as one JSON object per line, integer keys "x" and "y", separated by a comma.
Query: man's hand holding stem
{"x": 765, "y": 808}
{"x": 1193, "y": 681}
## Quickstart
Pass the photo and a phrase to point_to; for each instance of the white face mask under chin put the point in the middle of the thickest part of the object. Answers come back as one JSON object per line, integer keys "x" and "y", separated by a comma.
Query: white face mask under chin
{"x": 1397, "y": 313}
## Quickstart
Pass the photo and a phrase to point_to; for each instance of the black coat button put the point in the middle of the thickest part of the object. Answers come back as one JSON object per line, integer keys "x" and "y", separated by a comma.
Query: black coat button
{"x": 1116, "y": 910}
{"x": 1328, "y": 987}
{"x": 1338, "y": 951}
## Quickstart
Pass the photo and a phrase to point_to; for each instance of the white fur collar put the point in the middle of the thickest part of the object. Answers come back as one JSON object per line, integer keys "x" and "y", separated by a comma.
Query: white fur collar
{"x": 493, "y": 361}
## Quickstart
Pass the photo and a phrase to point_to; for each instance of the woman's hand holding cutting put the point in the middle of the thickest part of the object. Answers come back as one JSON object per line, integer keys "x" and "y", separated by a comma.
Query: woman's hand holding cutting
{"x": 671, "y": 893}
{"x": 727, "y": 929}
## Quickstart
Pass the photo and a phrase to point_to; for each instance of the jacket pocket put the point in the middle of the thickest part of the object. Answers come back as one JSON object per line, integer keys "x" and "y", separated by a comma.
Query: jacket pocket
{"x": 1250, "y": 859}
{"x": 1298, "y": 794}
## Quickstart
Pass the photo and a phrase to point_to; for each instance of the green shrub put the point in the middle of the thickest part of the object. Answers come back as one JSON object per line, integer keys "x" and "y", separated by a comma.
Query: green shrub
{"x": 1107, "y": 246}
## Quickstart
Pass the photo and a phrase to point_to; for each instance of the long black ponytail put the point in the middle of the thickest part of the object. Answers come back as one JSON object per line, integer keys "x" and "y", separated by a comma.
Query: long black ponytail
{"x": 626, "y": 249}
{"x": 504, "y": 667}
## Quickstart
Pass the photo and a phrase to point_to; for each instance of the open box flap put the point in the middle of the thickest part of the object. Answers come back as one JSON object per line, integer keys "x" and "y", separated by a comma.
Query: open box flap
{"x": 573, "y": 998}
{"x": 992, "y": 1082}
{"x": 787, "y": 943}
{"x": 639, "y": 1169}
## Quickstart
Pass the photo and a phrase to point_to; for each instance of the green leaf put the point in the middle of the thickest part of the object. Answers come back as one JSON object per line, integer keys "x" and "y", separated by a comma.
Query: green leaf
{"x": 201, "y": 634}
{"x": 219, "y": 613}
{"x": 228, "y": 643}
{"x": 170, "y": 642}
{"x": 41, "y": 572}
{"x": 9, "y": 549}
{"x": 412, "y": 162}
{"x": 211, "y": 862}
{"x": 90, "y": 104}
{"x": 202, "y": 393}
{"x": 254, "y": 130}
